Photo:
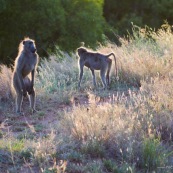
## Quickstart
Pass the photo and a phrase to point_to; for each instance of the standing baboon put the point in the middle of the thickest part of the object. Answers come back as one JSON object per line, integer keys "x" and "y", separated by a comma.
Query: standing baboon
{"x": 25, "y": 64}
{"x": 95, "y": 61}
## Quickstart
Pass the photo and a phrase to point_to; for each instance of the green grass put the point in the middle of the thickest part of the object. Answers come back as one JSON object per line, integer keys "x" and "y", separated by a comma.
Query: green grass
{"x": 153, "y": 154}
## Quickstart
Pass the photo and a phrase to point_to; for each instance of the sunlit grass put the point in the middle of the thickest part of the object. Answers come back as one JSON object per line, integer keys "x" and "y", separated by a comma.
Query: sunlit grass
{"x": 5, "y": 82}
{"x": 125, "y": 129}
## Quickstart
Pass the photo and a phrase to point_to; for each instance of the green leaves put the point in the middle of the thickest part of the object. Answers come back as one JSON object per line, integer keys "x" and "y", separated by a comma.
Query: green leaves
{"x": 56, "y": 22}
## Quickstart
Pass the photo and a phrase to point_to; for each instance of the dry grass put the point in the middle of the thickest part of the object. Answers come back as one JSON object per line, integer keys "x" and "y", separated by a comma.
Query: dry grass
{"x": 125, "y": 129}
{"x": 5, "y": 82}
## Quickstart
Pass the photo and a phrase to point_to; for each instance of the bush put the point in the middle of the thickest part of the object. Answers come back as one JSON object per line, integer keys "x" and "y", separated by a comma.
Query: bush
{"x": 66, "y": 23}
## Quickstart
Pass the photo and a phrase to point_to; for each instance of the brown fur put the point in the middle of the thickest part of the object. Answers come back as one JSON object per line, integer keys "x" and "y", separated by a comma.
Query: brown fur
{"x": 95, "y": 61}
{"x": 25, "y": 64}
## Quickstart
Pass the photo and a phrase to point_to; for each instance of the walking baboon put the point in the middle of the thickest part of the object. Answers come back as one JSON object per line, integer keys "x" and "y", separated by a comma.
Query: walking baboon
{"x": 25, "y": 64}
{"x": 95, "y": 61}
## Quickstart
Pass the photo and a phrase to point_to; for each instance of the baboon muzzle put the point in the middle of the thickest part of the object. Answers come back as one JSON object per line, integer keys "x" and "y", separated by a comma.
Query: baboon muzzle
{"x": 34, "y": 50}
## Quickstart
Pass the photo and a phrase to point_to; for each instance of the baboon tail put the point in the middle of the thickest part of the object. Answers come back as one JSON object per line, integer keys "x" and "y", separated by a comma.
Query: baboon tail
{"x": 116, "y": 70}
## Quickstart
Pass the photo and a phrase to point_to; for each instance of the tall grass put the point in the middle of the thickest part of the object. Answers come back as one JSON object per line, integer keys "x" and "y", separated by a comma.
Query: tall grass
{"x": 59, "y": 77}
{"x": 5, "y": 82}
{"x": 130, "y": 131}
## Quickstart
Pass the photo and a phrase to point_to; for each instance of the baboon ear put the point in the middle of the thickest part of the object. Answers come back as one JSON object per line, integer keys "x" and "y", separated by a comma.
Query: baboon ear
{"x": 23, "y": 42}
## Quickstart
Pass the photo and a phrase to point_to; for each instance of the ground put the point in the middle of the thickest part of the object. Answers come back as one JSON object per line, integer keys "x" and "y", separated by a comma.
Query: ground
{"x": 47, "y": 111}
{"x": 48, "y": 115}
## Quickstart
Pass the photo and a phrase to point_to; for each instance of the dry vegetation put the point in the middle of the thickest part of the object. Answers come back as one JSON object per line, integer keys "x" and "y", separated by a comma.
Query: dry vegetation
{"x": 127, "y": 129}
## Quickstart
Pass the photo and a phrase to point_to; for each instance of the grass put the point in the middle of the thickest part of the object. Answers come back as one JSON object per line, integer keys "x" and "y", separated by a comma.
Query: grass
{"x": 5, "y": 84}
{"x": 125, "y": 129}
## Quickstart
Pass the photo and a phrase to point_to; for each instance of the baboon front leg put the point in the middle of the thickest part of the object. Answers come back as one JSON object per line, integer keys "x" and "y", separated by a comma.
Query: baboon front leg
{"x": 80, "y": 76}
{"x": 94, "y": 78}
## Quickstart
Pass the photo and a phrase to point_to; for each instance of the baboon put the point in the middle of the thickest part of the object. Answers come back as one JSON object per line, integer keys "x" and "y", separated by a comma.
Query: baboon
{"x": 24, "y": 73}
{"x": 95, "y": 61}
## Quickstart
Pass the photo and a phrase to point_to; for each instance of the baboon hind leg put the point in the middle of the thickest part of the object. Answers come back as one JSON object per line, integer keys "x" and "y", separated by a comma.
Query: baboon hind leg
{"x": 19, "y": 96}
{"x": 32, "y": 101}
{"x": 108, "y": 71}
{"x": 103, "y": 78}
{"x": 31, "y": 93}
{"x": 19, "y": 100}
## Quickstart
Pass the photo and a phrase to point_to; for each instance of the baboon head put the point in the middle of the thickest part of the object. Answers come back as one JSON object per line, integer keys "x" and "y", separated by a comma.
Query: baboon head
{"x": 29, "y": 45}
{"x": 81, "y": 50}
